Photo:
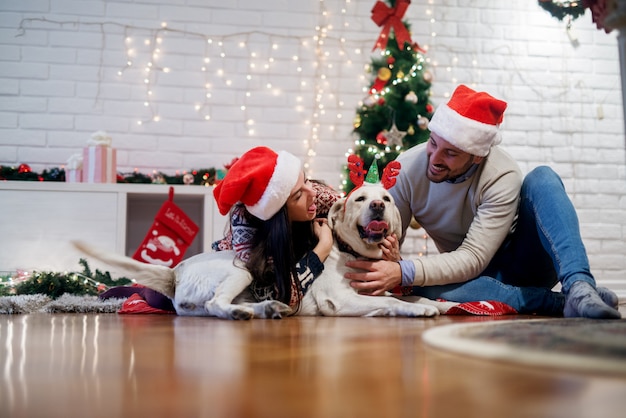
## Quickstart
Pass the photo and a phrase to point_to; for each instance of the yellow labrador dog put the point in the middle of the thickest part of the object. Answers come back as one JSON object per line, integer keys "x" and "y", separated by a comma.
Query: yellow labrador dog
{"x": 216, "y": 284}
{"x": 360, "y": 222}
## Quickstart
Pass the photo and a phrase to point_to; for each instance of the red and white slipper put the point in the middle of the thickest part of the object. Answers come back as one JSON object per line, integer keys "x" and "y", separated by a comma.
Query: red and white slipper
{"x": 135, "y": 304}
{"x": 482, "y": 308}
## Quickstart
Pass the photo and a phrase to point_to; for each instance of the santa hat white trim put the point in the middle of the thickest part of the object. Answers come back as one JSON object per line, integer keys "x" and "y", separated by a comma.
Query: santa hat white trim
{"x": 470, "y": 121}
{"x": 278, "y": 190}
{"x": 467, "y": 134}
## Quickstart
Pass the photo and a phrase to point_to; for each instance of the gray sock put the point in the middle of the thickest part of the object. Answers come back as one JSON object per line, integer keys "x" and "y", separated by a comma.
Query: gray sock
{"x": 583, "y": 300}
{"x": 609, "y": 297}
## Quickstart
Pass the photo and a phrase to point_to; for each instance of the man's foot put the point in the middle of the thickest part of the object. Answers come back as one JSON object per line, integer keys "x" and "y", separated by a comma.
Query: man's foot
{"x": 583, "y": 300}
{"x": 609, "y": 297}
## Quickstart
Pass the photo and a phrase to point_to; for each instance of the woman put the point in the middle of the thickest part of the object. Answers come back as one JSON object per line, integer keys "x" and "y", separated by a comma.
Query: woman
{"x": 275, "y": 228}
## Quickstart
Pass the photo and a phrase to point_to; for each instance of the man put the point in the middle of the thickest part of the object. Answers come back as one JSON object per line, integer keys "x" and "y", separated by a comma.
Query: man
{"x": 499, "y": 238}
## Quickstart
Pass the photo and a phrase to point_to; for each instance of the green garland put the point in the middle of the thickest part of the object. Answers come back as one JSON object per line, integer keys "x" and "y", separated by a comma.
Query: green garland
{"x": 563, "y": 9}
{"x": 202, "y": 177}
{"x": 55, "y": 284}
{"x": 24, "y": 173}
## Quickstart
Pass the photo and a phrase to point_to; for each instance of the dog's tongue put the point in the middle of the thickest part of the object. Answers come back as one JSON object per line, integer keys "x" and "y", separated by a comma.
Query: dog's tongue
{"x": 377, "y": 227}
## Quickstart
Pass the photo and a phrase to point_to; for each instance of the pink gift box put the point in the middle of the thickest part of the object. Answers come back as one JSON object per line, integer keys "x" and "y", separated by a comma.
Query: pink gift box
{"x": 99, "y": 165}
{"x": 73, "y": 176}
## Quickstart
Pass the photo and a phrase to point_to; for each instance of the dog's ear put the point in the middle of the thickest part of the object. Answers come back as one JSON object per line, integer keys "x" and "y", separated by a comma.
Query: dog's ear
{"x": 335, "y": 214}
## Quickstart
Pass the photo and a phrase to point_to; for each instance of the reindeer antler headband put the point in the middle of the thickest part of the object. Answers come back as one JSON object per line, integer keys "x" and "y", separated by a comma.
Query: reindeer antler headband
{"x": 358, "y": 175}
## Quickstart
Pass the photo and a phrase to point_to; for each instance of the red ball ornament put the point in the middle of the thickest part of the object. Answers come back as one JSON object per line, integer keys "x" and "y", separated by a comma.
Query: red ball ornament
{"x": 24, "y": 168}
{"x": 381, "y": 101}
{"x": 390, "y": 60}
{"x": 429, "y": 108}
{"x": 381, "y": 138}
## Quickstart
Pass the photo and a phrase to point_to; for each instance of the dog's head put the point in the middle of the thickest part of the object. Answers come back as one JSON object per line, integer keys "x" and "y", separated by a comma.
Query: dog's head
{"x": 364, "y": 218}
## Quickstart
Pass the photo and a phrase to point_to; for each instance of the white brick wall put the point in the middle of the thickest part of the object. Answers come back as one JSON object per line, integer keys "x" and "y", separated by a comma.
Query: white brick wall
{"x": 59, "y": 82}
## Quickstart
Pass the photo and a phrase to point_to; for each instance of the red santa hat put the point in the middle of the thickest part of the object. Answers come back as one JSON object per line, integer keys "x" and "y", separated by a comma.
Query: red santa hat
{"x": 470, "y": 121}
{"x": 261, "y": 179}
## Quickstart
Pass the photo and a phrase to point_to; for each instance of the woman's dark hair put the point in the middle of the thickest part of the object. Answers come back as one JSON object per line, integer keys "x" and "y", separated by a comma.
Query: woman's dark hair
{"x": 277, "y": 246}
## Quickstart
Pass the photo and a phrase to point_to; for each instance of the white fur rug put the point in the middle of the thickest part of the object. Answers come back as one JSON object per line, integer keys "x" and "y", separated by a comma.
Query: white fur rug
{"x": 587, "y": 345}
{"x": 25, "y": 304}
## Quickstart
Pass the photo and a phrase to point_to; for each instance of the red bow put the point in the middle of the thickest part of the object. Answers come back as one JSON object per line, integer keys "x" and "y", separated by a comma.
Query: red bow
{"x": 391, "y": 18}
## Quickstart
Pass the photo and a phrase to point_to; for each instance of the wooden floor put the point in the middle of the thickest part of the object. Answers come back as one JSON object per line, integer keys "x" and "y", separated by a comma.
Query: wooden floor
{"x": 167, "y": 366}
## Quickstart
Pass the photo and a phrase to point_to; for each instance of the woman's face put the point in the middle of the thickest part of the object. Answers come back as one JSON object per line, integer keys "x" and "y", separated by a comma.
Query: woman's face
{"x": 301, "y": 202}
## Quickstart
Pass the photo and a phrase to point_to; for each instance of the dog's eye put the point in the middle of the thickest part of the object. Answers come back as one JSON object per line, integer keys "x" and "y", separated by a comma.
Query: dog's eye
{"x": 360, "y": 199}
{"x": 387, "y": 199}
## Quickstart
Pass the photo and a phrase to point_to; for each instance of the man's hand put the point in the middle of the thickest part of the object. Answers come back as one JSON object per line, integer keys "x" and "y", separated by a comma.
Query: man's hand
{"x": 379, "y": 277}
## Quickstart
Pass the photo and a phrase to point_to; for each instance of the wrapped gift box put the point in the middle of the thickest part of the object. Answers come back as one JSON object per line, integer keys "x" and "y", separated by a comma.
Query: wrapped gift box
{"x": 74, "y": 169}
{"x": 99, "y": 165}
{"x": 73, "y": 176}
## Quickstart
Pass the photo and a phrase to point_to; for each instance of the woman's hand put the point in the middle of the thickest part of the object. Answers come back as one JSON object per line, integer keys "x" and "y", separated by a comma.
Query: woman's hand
{"x": 325, "y": 238}
{"x": 391, "y": 248}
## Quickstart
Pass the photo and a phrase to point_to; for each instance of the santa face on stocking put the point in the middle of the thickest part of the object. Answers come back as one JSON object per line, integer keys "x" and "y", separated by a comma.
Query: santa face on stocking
{"x": 161, "y": 250}
{"x": 169, "y": 236}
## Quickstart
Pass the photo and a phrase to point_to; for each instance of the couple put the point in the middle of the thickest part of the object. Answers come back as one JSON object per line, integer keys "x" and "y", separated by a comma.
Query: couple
{"x": 501, "y": 236}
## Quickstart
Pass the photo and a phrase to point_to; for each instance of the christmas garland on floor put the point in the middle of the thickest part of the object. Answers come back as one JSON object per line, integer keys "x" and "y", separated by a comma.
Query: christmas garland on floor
{"x": 52, "y": 292}
{"x": 55, "y": 284}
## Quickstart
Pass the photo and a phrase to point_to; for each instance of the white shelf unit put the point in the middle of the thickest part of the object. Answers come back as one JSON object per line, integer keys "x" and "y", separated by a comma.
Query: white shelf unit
{"x": 40, "y": 219}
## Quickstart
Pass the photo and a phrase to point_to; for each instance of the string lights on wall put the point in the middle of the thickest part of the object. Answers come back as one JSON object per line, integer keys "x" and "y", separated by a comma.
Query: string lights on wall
{"x": 319, "y": 63}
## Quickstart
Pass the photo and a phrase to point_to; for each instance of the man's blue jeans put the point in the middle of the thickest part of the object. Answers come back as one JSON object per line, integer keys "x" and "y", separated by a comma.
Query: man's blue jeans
{"x": 546, "y": 248}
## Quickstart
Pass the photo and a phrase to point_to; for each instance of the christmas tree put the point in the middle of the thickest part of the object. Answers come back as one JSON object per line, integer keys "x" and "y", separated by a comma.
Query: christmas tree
{"x": 394, "y": 115}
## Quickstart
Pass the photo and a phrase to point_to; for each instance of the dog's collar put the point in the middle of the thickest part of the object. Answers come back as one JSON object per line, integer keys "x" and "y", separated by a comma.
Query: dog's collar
{"x": 345, "y": 248}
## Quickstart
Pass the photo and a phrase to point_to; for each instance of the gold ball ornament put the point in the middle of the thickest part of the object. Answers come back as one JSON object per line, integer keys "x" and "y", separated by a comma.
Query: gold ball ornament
{"x": 400, "y": 74}
{"x": 384, "y": 74}
{"x": 411, "y": 130}
{"x": 357, "y": 121}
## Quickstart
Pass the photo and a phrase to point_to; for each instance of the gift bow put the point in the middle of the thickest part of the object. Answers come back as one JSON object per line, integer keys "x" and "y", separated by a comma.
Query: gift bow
{"x": 75, "y": 162}
{"x": 388, "y": 18}
{"x": 99, "y": 138}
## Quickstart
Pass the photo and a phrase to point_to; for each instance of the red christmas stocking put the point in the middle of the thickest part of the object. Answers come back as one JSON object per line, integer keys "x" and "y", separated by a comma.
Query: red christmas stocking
{"x": 169, "y": 236}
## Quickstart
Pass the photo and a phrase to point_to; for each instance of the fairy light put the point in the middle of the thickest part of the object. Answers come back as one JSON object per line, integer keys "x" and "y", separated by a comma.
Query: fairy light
{"x": 309, "y": 59}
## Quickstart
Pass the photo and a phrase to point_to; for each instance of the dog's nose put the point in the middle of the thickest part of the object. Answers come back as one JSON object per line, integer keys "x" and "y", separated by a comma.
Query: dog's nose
{"x": 377, "y": 206}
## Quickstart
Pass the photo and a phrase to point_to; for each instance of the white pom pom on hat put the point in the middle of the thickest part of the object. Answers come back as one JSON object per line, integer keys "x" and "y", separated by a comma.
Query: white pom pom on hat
{"x": 470, "y": 121}
{"x": 261, "y": 179}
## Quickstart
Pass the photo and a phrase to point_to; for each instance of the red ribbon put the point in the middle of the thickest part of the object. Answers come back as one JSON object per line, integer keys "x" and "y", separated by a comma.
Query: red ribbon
{"x": 388, "y": 18}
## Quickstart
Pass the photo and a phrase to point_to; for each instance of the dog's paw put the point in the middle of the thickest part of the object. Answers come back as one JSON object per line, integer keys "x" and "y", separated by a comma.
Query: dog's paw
{"x": 241, "y": 313}
{"x": 270, "y": 309}
{"x": 228, "y": 311}
{"x": 427, "y": 310}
